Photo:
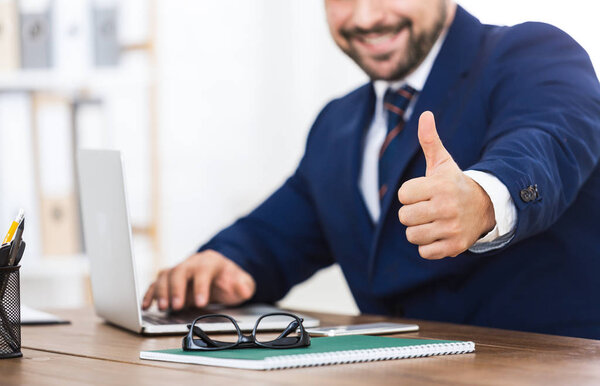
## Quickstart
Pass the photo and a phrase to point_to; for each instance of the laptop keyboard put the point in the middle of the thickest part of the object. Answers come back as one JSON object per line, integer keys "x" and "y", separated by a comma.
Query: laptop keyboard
{"x": 170, "y": 318}
{"x": 187, "y": 316}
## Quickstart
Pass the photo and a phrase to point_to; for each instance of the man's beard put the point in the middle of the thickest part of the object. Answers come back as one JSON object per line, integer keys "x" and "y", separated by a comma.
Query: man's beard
{"x": 418, "y": 47}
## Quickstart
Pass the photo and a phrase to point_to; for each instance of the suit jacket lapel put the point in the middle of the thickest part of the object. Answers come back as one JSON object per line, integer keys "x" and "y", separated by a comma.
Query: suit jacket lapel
{"x": 350, "y": 137}
{"x": 451, "y": 65}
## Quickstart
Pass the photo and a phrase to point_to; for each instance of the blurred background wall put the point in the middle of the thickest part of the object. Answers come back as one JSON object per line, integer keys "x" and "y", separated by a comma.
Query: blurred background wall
{"x": 210, "y": 102}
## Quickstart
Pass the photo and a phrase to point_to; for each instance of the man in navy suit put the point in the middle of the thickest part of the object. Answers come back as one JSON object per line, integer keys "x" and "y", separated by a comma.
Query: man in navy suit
{"x": 461, "y": 184}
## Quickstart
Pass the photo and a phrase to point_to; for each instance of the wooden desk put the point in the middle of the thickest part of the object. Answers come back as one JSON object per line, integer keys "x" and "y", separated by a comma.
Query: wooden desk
{"x": 90, "y": 351}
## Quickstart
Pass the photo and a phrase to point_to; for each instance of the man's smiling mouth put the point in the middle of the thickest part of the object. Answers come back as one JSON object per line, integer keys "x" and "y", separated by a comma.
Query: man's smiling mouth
{"x": 378, "y": 35}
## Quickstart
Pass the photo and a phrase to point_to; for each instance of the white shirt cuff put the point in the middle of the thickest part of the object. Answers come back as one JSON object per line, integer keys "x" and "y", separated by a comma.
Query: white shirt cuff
{"x": 505, "y": 211}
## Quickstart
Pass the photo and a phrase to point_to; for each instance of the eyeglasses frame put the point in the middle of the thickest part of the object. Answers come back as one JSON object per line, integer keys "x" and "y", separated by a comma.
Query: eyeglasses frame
{"x": 245, "y": 341}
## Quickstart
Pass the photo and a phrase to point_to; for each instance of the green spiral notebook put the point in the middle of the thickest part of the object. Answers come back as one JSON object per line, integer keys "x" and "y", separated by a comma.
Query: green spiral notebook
{"x": 322, "y": 351}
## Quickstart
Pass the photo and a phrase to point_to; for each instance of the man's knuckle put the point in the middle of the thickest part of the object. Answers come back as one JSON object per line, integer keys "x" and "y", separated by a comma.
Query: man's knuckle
{"x": 410, "y": 234}
{"x": 425, "y": 252}
{"x": 454, "y": 229}
{"x": 402, "y": 194}
{"x": 194, "y": 261}
{"x": 174, "y": 271}
{"x": 161, "y": 281}
{"x": 459, "y": 246}
{"x": 448, "y": 208}
{"x": 433, "y": 211}
{"x": 404, "y": 214}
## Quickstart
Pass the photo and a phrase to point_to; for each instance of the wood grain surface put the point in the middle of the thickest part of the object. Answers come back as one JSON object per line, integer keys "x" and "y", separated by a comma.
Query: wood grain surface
{"x": 90, "y": 350}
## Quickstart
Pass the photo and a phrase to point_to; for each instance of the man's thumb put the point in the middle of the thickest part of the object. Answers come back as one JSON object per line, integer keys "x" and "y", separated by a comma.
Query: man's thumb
{"x": 435, "y": 152}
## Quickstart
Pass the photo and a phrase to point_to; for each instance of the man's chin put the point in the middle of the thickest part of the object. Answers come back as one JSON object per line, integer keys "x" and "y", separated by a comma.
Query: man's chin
{"x": 384, "y": 72}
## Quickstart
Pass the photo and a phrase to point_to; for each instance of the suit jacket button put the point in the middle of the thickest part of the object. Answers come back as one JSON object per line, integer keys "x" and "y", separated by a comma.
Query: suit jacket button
{"x": 528, "y": 194}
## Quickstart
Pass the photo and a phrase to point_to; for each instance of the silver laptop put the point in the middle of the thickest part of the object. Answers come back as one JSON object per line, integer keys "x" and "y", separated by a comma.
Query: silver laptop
{"x": 108, "y": 244}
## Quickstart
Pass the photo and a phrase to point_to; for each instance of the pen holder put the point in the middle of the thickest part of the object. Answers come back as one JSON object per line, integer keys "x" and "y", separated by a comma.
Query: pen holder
{"x": 10, "y": 312}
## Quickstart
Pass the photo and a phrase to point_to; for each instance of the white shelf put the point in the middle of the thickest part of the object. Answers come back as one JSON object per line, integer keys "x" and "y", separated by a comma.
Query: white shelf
{"x": 61, "y": 81}
{"x": 55, "y": 282}
{"x": 56, "y": 267}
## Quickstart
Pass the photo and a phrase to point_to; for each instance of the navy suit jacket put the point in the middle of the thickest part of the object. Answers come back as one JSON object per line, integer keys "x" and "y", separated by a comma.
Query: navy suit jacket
{"x": 522, "y": 103}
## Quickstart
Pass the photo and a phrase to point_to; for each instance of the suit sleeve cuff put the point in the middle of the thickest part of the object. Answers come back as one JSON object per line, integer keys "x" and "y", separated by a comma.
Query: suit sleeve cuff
{"x": 505, "y": 212}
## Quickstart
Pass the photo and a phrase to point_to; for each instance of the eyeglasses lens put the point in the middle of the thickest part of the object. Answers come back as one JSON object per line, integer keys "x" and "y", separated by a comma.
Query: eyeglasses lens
{"x": 204, "y": 337}
{"x": 278, "y": 331}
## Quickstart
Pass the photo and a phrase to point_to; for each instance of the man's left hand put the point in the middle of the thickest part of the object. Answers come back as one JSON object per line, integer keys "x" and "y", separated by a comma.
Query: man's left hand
{"x": 445, "y": 212}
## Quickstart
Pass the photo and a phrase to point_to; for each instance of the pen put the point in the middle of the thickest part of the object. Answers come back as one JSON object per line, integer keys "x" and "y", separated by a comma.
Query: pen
{"x": 14, "y": 226}
{"x": 8, "y": 334}
{"x": 16, "y": 244}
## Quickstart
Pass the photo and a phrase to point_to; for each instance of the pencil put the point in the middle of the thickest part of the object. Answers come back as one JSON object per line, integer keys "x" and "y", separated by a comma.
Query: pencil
{"x": 13, "y": 227}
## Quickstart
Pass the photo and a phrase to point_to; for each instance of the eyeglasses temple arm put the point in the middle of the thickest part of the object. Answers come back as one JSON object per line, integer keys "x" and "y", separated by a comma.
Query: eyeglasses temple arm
{"x": 289, "y": 329}
{"x": 198, "y": 331}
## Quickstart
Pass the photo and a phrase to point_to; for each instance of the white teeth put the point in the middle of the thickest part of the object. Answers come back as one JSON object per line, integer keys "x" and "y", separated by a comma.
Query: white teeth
{"x": 378, "y": 39}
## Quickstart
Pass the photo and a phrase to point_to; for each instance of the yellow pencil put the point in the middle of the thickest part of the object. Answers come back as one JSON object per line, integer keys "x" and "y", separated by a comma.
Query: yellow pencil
{"x": 13, "y": 227}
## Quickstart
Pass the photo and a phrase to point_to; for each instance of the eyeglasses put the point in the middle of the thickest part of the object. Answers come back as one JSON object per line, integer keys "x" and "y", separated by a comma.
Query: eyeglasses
{"x": 292, "y": 336}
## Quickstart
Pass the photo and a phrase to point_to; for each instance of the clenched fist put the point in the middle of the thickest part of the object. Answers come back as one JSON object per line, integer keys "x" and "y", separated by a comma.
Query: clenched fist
{"x": 445, "y": 212}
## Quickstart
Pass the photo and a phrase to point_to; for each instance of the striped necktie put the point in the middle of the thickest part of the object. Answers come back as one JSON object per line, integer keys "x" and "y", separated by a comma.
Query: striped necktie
{"x": 395, "y": 103}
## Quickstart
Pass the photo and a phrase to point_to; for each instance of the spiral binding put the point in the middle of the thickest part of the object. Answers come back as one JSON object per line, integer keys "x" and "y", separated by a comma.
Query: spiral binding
{"x": 367, "y": 355}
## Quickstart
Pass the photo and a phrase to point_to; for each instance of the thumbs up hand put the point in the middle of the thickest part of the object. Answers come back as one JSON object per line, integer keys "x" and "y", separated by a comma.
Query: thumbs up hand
{"x": 445, "y": 212}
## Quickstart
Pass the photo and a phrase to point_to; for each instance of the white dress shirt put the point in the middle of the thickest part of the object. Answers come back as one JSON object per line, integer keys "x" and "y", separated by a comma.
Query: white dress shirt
{"x": 504, "y": 208}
